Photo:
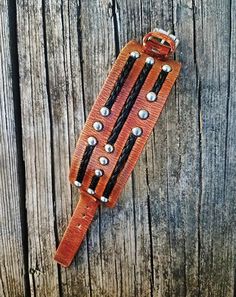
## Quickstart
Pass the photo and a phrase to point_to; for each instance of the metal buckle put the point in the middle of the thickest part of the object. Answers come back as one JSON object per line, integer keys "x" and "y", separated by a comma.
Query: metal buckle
{"x": 160, "y": 43}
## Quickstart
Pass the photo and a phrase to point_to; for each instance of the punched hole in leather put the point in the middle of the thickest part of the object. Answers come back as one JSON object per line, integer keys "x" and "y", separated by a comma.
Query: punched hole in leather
{"x": 117, "y": 129}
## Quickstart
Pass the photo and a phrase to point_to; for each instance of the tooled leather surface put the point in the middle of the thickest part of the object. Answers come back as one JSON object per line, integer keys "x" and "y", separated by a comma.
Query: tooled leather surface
{"x": 77, "y": 228}
{"x": 154, "y": 109}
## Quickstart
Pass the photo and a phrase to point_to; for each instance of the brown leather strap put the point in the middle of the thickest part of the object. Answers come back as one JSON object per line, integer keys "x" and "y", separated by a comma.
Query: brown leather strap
{"x": 77, "y": 228}
{"x": 117, "y": 129}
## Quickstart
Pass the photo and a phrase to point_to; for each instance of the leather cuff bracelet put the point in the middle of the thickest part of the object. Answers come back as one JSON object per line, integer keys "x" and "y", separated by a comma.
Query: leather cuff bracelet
{"x": 117, "y": 129}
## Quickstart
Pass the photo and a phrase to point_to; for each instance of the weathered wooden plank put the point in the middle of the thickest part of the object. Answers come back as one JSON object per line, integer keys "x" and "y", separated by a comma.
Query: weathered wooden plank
{"x": 11, "y": 249}
{"x": 38, "y": 153}
{"x": 172, "y": 231}
{"x": 177, "y": 191}
{"x": 67, "y": 110}
{"x": 217, "y": 222}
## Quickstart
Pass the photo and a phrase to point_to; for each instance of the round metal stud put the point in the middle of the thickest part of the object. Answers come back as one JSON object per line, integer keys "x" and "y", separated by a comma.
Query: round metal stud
{"x": 92, "y": 140}
{"x": 143, "y": 114}
{"x": 103, "y": 160}
{"x": 77, "y": 184}
{"x": 109, "y": 148}
{"x": 150, "y": 60}
{"x": 99, "y": 172}
{"x": 104, "y": 199}
{"x": 151, "y": 96}
{"x": 137, "y": 131}
{"x": 135, "y": 54}
{"x": 104, "y": 111}
{"x": 166, "y": 68}
{"x": 90, "y": 191}
{"x": 98, "y": 126}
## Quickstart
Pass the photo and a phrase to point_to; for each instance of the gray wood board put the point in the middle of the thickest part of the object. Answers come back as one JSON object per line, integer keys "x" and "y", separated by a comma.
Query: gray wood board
{"x": 12, "y": 267}
{"x": 172, "y": 232}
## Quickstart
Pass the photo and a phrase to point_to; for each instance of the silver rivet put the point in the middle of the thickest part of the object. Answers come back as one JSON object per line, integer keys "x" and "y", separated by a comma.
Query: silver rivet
{"x": 103, "y": 160}
{"x": 105, "y": 111}
{"x": 151, "y": 96}
{"x": 137, "y": 131}
{"x": 109, "y": 148}
{"x": 99, "y": 172}
{"x": 166, "y": 68}
{"x": 77, "y": 184}
{"x": 90, "y": 191}
{"x": 98, "y": 126}
{"x": 135, "y": 54}
{"x": 104, "y": 199}
{"x": 143, "y": 114}
{"x": 92, "y": 140}
{"x": 150, "y": 60}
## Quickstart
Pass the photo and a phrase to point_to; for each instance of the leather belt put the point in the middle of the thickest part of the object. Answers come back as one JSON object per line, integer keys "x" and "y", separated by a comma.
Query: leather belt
{"x": 117, "y": 128}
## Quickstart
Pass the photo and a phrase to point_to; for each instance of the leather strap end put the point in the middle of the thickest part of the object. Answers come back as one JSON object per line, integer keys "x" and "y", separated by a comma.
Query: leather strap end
{"x": 76, "y": 230}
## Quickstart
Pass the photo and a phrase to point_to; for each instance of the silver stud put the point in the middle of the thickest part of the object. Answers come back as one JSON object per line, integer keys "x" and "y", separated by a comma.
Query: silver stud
{"x": 150, "y": 60}
{"x": 98, "y": 126}
{"x": 104, "y": 199}
{"x": 166, "y": 68}
{"x": 151, "y": 96}
{"x": 92, "y": 140}
{"x": 137, "y": 131}
{"x": 104, "y": 111}
{"x": 90, "y": 191}
{"x": 77, "y": 184}
{"x": 109, "y": 148}
{"x": 99, "y": 172}
{"x": 135, "y": 54}
{"x": 143, "y": 114}
{"x": 103, "y": 160}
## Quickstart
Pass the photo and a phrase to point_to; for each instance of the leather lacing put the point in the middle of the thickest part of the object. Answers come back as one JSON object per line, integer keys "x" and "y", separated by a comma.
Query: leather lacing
{"x": 120, "y": 164}
{"x": 159, "y": 82}
{"x": 94, "y": 182}
{"x": 120, "y": 82}
{"x": 84, "y": 163}
{"x": 129, "y": 104}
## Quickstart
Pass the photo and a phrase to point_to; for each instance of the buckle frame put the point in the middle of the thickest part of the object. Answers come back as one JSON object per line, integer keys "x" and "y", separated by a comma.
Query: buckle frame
{"x": 160, "y": 43}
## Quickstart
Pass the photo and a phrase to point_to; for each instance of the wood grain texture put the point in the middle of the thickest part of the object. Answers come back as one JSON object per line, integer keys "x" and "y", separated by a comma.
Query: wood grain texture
{"x": 173, "y": 230}
{"x": 12, "y": 267}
